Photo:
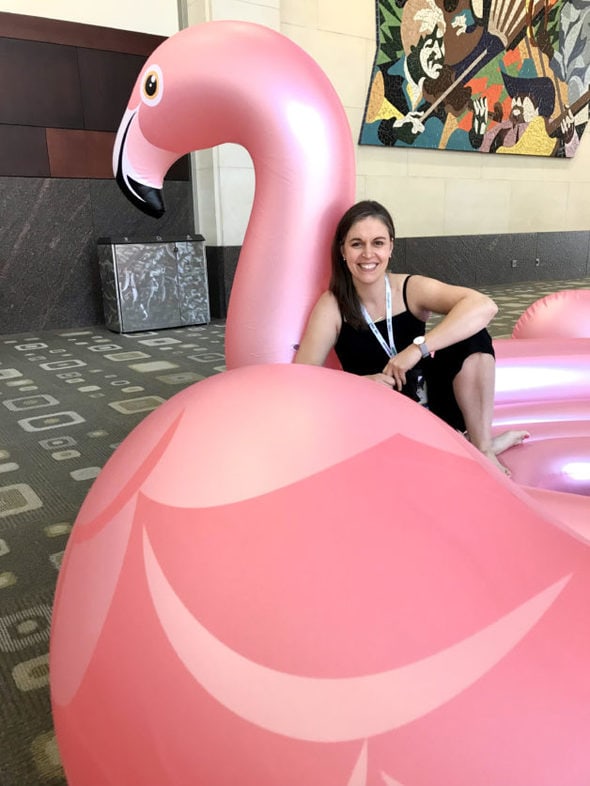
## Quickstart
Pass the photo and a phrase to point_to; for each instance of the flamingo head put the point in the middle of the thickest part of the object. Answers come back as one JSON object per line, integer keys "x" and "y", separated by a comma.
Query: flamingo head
{"x": 179, "y": 104}
{"x": 139, "y": 165}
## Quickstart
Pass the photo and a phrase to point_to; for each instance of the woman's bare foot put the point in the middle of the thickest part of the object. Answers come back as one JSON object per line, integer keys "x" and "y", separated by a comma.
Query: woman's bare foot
{"x": 508, "y": 439}
{"x": 505, "y": 440}
{"x": 491, "y": 455}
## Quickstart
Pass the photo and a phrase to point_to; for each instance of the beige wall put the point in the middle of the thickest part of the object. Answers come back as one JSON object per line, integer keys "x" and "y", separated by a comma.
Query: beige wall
{"x": 158, "y": 17}
{"x": 224, "y": 176}
{"x": 429, "y": 192}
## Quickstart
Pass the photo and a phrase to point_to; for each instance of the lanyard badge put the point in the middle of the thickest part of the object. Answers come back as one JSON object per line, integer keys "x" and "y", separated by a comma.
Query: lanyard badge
{"x": 389, "y": 349}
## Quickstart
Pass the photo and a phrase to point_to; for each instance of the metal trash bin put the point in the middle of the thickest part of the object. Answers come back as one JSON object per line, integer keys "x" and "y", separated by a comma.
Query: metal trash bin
{"x": 153, "y": 283}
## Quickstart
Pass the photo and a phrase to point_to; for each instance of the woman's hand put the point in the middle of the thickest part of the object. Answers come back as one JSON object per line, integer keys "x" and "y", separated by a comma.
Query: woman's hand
{"x": 399, "y": 364}
{"x": 382, "y": 379}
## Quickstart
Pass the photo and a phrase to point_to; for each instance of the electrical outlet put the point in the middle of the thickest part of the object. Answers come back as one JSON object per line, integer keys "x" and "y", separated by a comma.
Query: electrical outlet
{"x": 514, "y": 263}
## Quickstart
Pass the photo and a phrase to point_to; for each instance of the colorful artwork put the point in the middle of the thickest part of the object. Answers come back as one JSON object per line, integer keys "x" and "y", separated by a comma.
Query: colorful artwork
{"x": 490, "y": 76}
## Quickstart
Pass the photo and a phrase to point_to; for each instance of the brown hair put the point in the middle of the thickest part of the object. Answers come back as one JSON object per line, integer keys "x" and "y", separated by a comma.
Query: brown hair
{"x": 341, "y": 284}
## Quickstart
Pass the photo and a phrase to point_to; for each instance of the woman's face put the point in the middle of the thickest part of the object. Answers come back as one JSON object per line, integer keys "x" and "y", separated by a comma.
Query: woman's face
{"x": 367, "y": 249}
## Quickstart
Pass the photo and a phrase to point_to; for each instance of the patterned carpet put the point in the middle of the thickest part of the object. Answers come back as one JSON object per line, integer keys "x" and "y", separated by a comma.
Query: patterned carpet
{"x": 514, "y": 299}
{"x": 67, "y": 400}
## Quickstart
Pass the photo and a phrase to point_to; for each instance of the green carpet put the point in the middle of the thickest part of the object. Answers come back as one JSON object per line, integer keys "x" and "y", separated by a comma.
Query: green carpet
{"x": 67, "y": 399}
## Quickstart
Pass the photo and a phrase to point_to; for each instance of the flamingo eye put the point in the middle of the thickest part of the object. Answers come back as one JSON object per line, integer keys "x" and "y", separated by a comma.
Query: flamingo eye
{"x": 152, "y": 86}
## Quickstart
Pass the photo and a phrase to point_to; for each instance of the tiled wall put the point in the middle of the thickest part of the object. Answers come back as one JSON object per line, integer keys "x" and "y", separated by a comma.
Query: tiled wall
{"x": 465, "y": 260}
{"x": 48, "y": 246}
{"x": 63, "y": 92}
{"x": 484, "y": 260}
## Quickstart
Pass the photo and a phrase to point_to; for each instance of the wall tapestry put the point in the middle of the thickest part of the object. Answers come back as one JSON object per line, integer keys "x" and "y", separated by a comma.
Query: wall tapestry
{"x": 489, "y": 76}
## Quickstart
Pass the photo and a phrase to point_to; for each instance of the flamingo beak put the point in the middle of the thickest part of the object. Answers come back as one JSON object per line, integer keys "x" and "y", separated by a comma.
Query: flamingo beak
{"x": 139, "y": 167}
{"x": 146, "y": 198}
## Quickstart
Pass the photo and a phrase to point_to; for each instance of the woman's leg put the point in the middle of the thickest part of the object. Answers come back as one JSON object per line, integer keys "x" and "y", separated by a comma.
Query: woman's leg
{"x": 474, "y": 387}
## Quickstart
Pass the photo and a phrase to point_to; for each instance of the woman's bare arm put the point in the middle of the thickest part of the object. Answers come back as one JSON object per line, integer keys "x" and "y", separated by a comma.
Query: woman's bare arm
{"x": 321, "y": 332}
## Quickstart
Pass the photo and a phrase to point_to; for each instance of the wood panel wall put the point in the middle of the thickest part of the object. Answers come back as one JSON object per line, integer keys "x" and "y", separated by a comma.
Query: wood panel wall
{"x": 63, "y": 91}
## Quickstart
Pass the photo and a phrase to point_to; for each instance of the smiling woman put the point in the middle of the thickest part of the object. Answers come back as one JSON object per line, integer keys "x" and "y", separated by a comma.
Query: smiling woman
{"x": 376, "y": 323}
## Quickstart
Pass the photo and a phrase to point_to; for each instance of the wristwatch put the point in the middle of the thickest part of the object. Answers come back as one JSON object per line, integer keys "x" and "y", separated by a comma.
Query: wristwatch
{"x": 420, "y": 342}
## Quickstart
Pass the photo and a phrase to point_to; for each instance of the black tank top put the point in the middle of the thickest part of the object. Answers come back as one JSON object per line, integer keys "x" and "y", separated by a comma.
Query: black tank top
{"x": 359, "y": 352}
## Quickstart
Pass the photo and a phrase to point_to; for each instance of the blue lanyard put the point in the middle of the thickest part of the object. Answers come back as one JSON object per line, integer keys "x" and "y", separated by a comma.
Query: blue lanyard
{"x": 390, "y": 349}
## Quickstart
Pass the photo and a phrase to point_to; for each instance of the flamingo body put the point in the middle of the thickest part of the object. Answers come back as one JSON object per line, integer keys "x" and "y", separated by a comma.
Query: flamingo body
{"x": 288, "y": 607}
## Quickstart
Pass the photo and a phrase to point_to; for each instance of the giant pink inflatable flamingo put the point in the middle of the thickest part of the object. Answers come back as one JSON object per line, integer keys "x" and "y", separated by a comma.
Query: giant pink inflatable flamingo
{"x": 286, "y": 576}
{"x": 200, "y": 90}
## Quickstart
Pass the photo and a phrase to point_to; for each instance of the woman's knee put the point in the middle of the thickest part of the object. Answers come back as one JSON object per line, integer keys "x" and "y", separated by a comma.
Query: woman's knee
{"x": 477, "y": 363}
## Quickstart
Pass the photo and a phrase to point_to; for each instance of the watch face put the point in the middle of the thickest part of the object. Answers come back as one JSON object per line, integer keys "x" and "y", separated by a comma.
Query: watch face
{"x": 420, "y": 342}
